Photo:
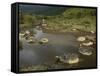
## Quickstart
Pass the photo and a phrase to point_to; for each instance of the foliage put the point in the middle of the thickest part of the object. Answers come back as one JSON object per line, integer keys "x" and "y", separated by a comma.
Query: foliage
{"x": 81, "y": 18}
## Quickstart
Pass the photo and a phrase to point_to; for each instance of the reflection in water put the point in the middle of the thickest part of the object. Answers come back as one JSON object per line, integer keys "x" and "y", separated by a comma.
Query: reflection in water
{"x": 38, "y": 34}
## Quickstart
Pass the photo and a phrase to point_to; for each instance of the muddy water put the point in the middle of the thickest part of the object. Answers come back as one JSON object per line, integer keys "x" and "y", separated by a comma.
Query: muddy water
{"x": 59, "y": 44}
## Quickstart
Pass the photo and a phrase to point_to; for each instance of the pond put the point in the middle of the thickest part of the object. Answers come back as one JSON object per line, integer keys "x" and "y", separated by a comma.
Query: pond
{"x": 58, "y": 45}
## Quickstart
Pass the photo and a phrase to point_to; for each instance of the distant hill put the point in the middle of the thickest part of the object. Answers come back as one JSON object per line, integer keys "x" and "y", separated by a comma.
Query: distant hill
{"x": 42, "y": 10}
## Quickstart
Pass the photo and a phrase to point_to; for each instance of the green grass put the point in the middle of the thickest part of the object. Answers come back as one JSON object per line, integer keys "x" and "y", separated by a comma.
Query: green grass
{"x": 79, "y": 18}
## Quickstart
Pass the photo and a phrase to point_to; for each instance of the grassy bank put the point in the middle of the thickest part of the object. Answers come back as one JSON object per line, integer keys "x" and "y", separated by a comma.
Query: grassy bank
{"x": 83, "y": 19}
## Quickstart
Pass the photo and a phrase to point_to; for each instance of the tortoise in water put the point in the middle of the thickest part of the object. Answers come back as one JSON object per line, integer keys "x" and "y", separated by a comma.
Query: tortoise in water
{"x": 44, "y": 40}
{"x": 69, "y": 58}
{"x": 91, "y": 38}
{"x": 90, "y": 43}
{"x": 86, "y": 51}
{"x": 31, "y": 40}
{"x": 81, "y": 38}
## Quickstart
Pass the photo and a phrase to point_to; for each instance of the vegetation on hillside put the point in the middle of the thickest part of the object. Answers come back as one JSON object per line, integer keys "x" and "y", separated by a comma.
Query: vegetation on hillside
{"x": 79, "y": 18}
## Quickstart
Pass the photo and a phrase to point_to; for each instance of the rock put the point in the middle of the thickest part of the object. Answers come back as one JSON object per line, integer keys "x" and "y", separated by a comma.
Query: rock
{"x": 74, "y": 29}
{"x": 30, "y": 41}
{"x": 21, "y": 34}
{"x": 44, "y": 40}
{"x": 81, "y": 38}
{"x": 44, "y": 25}
{"x": 92, "y": 32}
{"x": 27, "y": 32}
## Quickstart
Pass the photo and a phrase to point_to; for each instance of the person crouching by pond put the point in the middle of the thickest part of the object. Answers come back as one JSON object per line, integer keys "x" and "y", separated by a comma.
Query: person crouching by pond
{"x": 43, "y": 23}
